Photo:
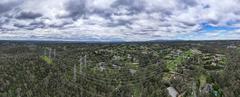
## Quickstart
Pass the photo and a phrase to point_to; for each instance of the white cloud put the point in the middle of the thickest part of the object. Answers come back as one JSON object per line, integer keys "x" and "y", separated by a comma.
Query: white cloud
{"x": 121, "y": 19}
{"x": 49, "y": 8}
{"x": 99, "y": 4}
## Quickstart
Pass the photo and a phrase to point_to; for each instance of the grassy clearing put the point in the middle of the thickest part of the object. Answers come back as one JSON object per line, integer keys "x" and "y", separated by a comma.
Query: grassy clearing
{"x": 202, "y": 80}
{"x": 172, "y": 64}
{"x": 46, "y": 59}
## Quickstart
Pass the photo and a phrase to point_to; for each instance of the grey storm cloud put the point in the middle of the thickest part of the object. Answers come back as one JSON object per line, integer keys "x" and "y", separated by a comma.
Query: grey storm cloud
{"x": 134, "y": 6}
{"x": 28, "y": 15}
{"x": 84, "y": 8}
{"x": 76, "y": 8}
{"x": 119, "y": 19}
{"x": 188, "y": 3}
{"x": 7, "y": 6}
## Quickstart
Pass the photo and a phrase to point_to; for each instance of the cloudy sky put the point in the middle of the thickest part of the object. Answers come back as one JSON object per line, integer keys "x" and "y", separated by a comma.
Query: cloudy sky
{"x": 119, "y": 20}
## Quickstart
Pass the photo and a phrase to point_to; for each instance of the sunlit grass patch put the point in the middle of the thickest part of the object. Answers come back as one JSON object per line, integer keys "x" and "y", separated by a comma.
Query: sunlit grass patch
{"x": 202, "y": 80}
{"x": 172, "y": 64}
{"x": 167, "y": 76}
{"x": 46, "y": 59}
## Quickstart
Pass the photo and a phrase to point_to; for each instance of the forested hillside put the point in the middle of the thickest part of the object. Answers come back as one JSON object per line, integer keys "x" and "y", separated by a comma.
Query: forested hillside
{"x": 150, "y": 69}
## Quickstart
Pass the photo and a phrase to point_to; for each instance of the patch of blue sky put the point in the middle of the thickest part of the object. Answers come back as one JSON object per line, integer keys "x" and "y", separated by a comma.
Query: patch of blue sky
{"x": 208, "y": 32}
{"x": 209, "y": 28}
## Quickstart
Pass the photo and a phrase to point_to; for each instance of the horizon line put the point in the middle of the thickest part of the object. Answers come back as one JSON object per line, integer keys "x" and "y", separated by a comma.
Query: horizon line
{"x": 97, "y": 41}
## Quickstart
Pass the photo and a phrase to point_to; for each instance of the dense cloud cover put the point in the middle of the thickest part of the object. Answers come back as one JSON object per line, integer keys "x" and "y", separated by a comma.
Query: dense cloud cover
{"x": 119, "y": 20}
